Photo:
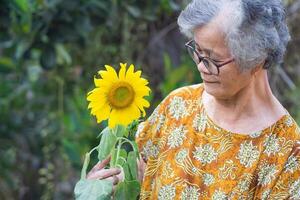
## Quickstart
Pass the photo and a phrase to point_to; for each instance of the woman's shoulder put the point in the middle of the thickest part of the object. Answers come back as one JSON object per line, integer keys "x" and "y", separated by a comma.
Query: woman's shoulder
{"x": 294, "y": 127}
{"x": 289, "y": 128}
{"x": 187, "y": 92}
{"x": 179, "y": 99}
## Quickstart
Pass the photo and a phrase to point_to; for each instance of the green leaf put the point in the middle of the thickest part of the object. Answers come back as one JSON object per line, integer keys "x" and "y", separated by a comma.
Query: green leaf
{"x": 71, "y": 150}
{"x": 85, "y": 166}
{"x": 93, "y": 190}
{"x": 122, "y": 157}
{"x": 107, "y": 143}
{"x": 63, "y": 57}
{"x": 22, "y": 5}
{"x": 126, "y": 133}
{"x": 6, "y": 64}
{"x": 21, "y": 48}
{"x": 34, "y": 72}
{"x": 134, "y": 11}
{"x": 135, "y": 147}
{"x": 48, "y": 58}
{"x": 128, "y": 190}
{"x": 176, "y": 75}
{"x": 149, "y": 16}
{"x": 126, "y": 171}
{"x": 100, "y": 134}
{"x": 131, "y": 160}
{"x": 113, "y": 158}
{"x": 119, "y": 130}
{"x": 131, "y": 129}
{"x": 21, "y": 13}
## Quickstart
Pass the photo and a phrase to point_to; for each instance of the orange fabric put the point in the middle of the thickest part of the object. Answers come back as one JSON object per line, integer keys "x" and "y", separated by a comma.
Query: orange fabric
{"x": 190, "y": 157}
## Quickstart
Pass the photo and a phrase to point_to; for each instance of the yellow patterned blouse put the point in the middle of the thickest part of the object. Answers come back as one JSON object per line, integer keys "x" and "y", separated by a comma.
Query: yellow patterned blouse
{"x": 190, "y": 157}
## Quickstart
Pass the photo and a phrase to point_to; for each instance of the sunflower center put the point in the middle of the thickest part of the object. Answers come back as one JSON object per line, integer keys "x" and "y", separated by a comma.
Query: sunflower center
{"x": 121, "y": 95}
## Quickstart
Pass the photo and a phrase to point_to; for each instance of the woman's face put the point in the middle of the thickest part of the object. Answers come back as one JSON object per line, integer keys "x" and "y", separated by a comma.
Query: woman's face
{"x": 211, "y": 43}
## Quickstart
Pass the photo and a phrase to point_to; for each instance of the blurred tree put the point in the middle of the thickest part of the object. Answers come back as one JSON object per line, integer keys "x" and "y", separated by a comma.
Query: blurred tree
{"x": 49, "y": 50}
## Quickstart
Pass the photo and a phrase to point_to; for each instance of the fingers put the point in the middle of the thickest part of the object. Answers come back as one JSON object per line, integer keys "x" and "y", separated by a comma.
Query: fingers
{"x": 114, "y": 189}
{"x": 121, "y": 176}
{"x": 103, "y": 173}
{"x": 101, "y": 164}
{"x": 141, "y": 169}
{"x": 113, "y": 179}
{"x": 143, "y": 157}
{"x": 296, "y": 150}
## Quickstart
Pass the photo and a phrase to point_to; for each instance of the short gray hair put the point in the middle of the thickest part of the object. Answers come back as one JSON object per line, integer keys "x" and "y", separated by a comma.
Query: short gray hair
{"x": 255, "y": 30}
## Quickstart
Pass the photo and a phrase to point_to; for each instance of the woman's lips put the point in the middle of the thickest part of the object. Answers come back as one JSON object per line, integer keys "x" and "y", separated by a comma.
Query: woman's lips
{"x": 207, "y": 80}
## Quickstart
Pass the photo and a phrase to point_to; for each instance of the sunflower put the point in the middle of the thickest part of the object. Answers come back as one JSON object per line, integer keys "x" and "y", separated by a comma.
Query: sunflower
{"x": 118, "y": 98}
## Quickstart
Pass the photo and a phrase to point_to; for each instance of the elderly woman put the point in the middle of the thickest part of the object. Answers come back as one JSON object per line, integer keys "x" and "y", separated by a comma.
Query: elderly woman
{"x": 229, "y": 137}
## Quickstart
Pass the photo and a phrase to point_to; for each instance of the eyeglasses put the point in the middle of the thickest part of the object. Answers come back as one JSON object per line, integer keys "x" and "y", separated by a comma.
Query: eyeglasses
{"x": 213, "y": 66}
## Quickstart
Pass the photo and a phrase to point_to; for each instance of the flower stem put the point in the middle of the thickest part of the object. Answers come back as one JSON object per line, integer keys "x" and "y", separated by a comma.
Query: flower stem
{"x": 126, "y": 140}
{"x": 86, "y": 162}
{"x": 91, "y": 151}
{"x": 118, "y": 150}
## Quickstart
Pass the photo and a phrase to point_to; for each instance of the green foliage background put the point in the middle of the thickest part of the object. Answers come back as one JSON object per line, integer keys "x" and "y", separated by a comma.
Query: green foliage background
{"x": 49, "y": 53}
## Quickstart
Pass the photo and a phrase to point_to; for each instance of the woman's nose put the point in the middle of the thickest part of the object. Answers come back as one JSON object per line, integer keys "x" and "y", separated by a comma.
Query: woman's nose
{"x": 201, "y": 67}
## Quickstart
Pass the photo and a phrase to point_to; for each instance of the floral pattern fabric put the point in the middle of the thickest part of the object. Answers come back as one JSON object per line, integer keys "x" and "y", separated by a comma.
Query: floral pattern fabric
{"x": 190, "y": 157}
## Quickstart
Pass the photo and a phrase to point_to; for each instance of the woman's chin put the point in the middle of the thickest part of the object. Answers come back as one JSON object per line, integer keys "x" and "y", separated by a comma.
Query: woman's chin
{"x": 215, "y": 90}
{"x": 211, "y": 86}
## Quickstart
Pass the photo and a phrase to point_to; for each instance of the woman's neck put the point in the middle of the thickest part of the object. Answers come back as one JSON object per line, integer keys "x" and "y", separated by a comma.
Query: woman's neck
{"x": 255, "y": 101}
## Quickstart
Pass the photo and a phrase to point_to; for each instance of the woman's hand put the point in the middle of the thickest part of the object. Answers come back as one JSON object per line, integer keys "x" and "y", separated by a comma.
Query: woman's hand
{"x": 297, "y": 148}
{"x": 141, "y": 164}
{"x": 115, "y": 175}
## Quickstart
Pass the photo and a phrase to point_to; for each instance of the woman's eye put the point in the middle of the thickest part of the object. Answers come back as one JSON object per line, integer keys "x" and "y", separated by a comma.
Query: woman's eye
{"x": 217, "y": 60}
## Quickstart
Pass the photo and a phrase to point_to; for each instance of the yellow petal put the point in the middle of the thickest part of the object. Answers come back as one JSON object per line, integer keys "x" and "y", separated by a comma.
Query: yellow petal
{"x": 143, "y": 110}
{"x": 131, "y": 76}
{"x": 124, "y": 116}
{"x": 107, "y": 76}
{"x": 123, "y": 64}
{"x": 143, "y": 81}
{"x": 141, "y": 91}
{"x": 96, "y": 95}
{"x": 130, "y": 71}
{"x": 141, "y": 103}
{"x": 94, "y": 105}
{"x": 97, "y": 81}
{"x": 129, "y": 114}
{"x": 102, "y": 113}
{"x": 112, "y": 73}
{"x": 103, "y": 74}
{"x": 138, "y": 73}
{"x": 122, "y": 71}
{"x": 102, "y": 83}
{"x": 113, "y": 119}
{"x": 91, "y": 94}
